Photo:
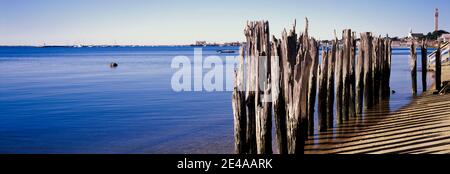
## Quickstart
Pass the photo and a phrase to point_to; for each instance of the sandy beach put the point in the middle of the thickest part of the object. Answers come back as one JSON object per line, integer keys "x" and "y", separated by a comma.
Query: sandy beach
{"x": 423, "y": 126}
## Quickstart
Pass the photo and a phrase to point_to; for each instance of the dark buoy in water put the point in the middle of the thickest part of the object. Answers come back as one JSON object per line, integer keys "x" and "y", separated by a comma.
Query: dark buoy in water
{"x": 393, "y": 92}
{"x": 113, "y": 65}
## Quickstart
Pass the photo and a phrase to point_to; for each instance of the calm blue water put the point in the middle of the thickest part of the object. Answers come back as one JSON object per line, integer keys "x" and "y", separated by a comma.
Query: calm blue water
{"x": 68, "y": 100}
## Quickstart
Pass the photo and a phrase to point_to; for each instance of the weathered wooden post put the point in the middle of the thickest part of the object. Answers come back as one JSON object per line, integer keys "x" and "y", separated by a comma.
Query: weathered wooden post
{"x": 359, "y": 78}
{"x": 263, "y": 106}
{"x": 258, "y": 89}
{"x": 297, "y": 88}
{"x": 339, "y": 85}
{"x": 296, "y": 69}
{"x": 352, "y": 77}
{"x": 250, "y": 88}
{"x": 310, "y": 46}
{"x": 278, "y": 103}
{"x": 239, "y": 109}
{"x": 375, "y": 74}
{"x": 330, "y": 83}
{"x": 322, "y": 96}
{"x": 287, "y": 83}
{"x": 264, "y": 121}
{"x": 312, "y": 85}
{"x": 366, "y": 39}
{"x": 380, "y": 64}
{"x": 289, "y": 61}
{"x": 423, "y": 51}
{"x": 438, "y": 67}
{"x": 386, "y": 69}
{"x": 413, "y": 67}
{"x": 347, "y": 49}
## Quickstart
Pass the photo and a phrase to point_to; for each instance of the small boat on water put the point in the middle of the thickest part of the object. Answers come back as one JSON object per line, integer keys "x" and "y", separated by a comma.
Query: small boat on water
{"x": 226, "y": 51}
{"x": 113, "y": 65}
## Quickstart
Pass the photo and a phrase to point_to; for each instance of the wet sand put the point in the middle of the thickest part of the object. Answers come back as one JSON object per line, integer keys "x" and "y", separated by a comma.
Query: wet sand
{"x": 423, "y": 126}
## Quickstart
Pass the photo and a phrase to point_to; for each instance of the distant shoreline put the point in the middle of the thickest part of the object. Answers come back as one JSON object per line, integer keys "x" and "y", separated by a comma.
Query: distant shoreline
{"x": 139, "y": 46}
{"x": 113, "y": 46}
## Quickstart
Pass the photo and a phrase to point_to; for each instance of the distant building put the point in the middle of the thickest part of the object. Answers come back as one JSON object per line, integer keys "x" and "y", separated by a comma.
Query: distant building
{"x": 415, "y": 36}
{"x": 445, "y": 37}
{"x": 436, "y": 20}
{"x": 231, "y": 44}
{"x": 200, "y": 43}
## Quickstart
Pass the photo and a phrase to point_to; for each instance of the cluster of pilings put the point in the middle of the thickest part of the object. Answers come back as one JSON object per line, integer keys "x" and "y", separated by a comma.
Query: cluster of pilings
{"x": 424, "y": 61}
{"x": 285, "y": 76}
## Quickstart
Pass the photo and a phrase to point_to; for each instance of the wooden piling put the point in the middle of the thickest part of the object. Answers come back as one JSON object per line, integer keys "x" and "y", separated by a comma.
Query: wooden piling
{"x": 339, "y": 85}
{"x": 290, "y": 69}
{"x": 296, "y": 69}
{"x": 278, "y": 102}
{"x": 239, "y": 108}
{"x": 437, "y": 75}
{"x": 264, "y": 121}
{"x": 288, "y": 58}
{"x": 423, "y": 51}
{"x": 413, "y": 68}
{"x": 359, "y": 78}
{"x": 386, "y": 68}
{"x": 287, "y": 82}
{"x": 322, "y": 96}
{"x": 366, "y": 39}
{"x": 375, "y": 70}
{"x": 297, "y": 88}
{"x": 352, "y": 77}
{"x": 250, "y": 99}
{"x": 347, "y": 49}
{"x": 306, "y": 67}
{"x": 312, "y": 85}
{"x": 259, "y": 111}
{"x": 330, "y": 84}
{"x": 380, "y": 68}
{"x": 263, "y": 106}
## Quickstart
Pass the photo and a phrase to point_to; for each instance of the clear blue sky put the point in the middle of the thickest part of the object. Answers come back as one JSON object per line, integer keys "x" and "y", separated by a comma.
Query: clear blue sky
{"x": 150, "y": 22}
